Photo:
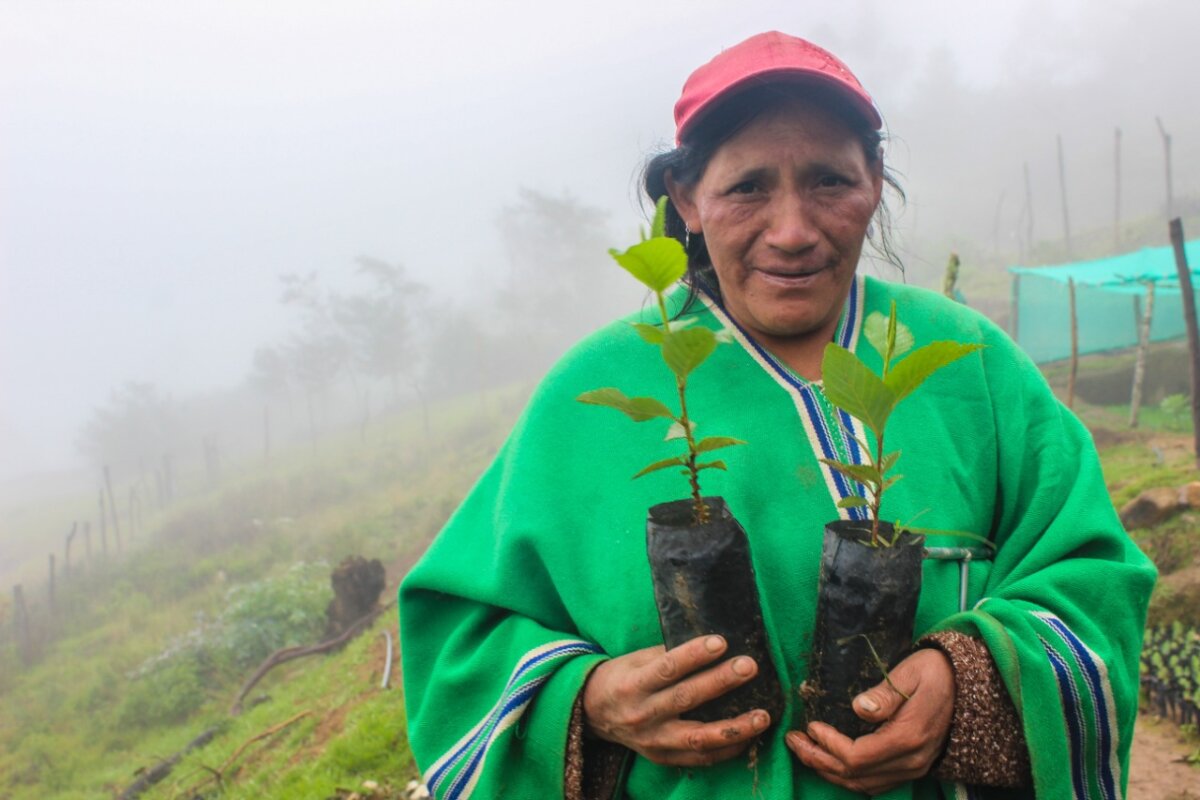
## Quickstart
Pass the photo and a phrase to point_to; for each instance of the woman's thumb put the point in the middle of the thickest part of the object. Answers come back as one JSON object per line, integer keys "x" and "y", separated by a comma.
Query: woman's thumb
{"x": 878, "y": 703}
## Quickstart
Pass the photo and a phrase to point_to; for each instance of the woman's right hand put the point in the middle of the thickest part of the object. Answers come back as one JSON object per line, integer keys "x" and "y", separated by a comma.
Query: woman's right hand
{"x": 635, "y": 700}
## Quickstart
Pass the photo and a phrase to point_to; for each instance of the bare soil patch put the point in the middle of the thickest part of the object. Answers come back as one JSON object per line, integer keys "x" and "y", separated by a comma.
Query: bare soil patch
{"x": 1157, "y": 769}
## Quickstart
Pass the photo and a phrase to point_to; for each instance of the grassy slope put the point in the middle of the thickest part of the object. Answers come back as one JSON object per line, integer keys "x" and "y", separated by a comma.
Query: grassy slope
{"x": 64, "y": 727}
{"x": 61, "y": 728}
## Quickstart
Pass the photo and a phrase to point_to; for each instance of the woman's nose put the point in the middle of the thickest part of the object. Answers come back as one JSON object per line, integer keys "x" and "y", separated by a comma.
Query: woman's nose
{"x": 790, "y": 227}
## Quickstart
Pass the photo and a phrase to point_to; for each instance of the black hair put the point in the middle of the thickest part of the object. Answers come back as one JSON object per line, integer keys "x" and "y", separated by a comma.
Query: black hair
{"x": 686, "y": 164}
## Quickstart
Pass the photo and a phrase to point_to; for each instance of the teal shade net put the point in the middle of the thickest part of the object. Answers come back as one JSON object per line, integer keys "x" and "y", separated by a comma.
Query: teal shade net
{"x": 1110, "y": 295}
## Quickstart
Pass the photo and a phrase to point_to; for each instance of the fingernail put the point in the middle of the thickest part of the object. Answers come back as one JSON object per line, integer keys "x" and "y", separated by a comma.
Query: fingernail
{"x": 743, "y": 665}
{"x": 713, "y": 644}
{"x": 760, "y": 719}
{"x": 866, "y": 703}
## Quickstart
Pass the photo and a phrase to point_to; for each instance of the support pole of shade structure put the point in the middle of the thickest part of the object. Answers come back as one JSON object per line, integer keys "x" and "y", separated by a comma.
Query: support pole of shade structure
{"x": 1074, "y": 346}
{"x": 1139, "y": 366}
{"x": 1189, "y": 316}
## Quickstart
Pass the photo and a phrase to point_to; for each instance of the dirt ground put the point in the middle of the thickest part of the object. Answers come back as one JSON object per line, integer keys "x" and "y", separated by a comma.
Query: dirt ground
{"x": 1156, "y": 767}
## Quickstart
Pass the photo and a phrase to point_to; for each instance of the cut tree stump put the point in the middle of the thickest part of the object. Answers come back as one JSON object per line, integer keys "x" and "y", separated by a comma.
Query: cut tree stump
{"x": 1151, "y": 507}
{"x": 357, "y": 584}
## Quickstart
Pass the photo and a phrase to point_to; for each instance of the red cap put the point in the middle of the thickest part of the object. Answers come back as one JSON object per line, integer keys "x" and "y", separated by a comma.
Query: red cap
{"x": 765, "y": 58}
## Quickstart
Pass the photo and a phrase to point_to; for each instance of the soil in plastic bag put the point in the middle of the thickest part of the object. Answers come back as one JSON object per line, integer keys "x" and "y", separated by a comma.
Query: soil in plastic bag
{"x": 867, "y": 599}
{"x": 704, "y": 584}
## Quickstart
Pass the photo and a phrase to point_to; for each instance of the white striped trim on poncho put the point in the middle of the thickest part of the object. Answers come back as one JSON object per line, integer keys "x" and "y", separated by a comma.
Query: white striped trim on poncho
{"x": 1089, "y": 710}
{"x": 827, "y": 440}
{"x": 455, "y": 774}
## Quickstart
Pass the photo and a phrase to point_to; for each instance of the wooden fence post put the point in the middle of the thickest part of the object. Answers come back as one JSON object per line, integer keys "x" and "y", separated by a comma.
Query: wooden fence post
{"x": 1189, "y": 316}
{"x": 50, "y": 586}
{"x": 1166, "y": 140}
{"x": 112, "y": 504}
{"x": 1139, "y": 366}
{"x": 87, "y": 541}
{"x": 1062, "y": 183}
{"x": 1117, "y": 191}
{"x": 103, "y": 526}
{"x": 67, "y": 549}
{"x": 1029, "y": 206}
{"x": 134, "y": 512}
{"x": 21, "y": 623}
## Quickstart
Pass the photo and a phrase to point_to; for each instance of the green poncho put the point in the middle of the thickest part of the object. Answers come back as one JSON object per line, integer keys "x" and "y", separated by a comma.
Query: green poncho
{"x": 542, "y": 572}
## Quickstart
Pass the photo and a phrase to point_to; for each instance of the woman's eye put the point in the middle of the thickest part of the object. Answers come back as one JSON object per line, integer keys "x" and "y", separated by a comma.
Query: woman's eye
{"x": 745, "y": 187}
{"x": 829, "y": 181}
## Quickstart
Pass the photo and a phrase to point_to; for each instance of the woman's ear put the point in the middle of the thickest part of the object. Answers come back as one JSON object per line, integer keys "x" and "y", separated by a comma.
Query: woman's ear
{"x": 682, "y": 197}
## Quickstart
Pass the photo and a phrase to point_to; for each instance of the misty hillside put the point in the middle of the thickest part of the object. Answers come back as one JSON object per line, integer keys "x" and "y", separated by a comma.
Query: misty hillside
{"x": 145, "y": 650}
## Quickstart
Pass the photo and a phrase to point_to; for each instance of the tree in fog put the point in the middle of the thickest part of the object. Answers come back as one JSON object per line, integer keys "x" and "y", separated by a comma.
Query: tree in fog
{"x": 462, "y": 355}
{"x": 559, "y": 280}
{"x": 318, "y": 352}
{"x": 270, "y": 377}
{"x": 270, "y": 373}
{"x": 132, "y": 431}
{"x": 378, "y": 325}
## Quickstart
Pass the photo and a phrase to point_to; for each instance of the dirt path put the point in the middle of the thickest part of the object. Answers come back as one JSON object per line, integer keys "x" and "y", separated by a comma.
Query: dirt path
{"x": 1156, "y": 771}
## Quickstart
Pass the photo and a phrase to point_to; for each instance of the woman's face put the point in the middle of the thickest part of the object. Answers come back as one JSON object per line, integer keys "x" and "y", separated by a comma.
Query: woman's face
{"x": 784, "y": 207}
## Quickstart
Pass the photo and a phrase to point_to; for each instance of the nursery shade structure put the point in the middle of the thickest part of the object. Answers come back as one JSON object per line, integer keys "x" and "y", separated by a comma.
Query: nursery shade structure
{"x": 1110, "y": 296}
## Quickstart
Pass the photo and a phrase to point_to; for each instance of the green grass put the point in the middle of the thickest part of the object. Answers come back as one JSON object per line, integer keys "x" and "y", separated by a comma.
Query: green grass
{"x": 1131, "y": 468}
{"x": 81, "y": 720}
{"x": 86, "y": 716}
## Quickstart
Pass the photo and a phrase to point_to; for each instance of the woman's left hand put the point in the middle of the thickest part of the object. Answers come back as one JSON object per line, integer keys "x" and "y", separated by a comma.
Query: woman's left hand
{"x": 913, "y": 734}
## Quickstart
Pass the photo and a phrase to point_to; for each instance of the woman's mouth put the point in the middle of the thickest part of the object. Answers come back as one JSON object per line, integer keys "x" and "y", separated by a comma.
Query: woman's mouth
{"x": 790, "y": 277}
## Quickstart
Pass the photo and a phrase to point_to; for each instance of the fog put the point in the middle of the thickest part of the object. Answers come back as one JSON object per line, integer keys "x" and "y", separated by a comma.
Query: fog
{"x": 162, "y": 165}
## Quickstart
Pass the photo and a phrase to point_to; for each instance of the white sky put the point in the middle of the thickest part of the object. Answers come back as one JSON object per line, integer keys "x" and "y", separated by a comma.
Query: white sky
{"x": 162, "y": 163}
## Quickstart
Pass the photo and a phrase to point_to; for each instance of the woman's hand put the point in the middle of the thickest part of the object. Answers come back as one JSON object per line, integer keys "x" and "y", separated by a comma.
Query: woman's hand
{"x": 912, "y": 736}
{"x": 636, "y": 699}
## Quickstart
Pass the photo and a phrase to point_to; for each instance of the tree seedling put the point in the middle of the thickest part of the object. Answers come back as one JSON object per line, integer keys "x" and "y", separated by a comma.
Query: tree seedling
{"x": 852, "y": 386}
{"x": 658, "y": 261}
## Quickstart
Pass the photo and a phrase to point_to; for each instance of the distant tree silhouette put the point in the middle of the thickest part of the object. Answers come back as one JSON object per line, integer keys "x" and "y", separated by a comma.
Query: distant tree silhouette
{"x": 560, "y": 281}
{"x": 379, "y": 325}
{"x": 135, "y": 427}
{"x": 318, "y": 352}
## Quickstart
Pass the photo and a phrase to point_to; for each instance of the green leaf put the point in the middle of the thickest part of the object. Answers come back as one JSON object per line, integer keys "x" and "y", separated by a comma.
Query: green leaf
{"x": 686, "y": 349}
{"x": 659, "y": 226}
{"x": 875, "y": 328}
{"x": 915, "y": 369}
{"x": 853, "y": 501}
{"x": 638, "y": 409}
{"x": 711, "y": 465}
{"x": 656, "y": 262}
{"x": 678, "y": 461}
{"x": 900, "y": 338}
{"x": 676, "y": 430}
{"x": 852, "y": 387}
{"x": 863, "y": 473}
{"x": 709, "y": 443}
{"x": 974, "y": 537}
{"x": 888, "y": 461}
{"x": 651, "y": 334}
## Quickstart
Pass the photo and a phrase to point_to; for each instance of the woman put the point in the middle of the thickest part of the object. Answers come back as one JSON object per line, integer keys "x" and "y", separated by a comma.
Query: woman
{"x": 533, "y": 661}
